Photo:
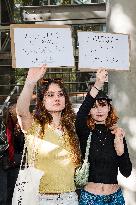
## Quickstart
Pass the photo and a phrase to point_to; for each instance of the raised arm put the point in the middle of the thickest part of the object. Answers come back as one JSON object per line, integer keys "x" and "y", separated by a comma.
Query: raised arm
{"x": 23, "y": 103}
{"x": 82, "y": 115}
{"x": 101, "y": 77}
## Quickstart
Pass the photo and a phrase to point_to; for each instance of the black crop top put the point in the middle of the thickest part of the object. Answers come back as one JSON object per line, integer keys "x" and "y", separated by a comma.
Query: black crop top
{"x": 104, "y": 161}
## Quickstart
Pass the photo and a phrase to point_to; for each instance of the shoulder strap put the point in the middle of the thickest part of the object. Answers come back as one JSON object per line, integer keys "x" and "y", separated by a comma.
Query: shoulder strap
{"x": 88, "y": 146}
{"x": 24, "y": 161}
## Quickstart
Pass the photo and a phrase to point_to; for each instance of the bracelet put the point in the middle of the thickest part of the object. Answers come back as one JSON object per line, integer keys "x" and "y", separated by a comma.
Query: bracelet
{"x": 96, "y": 88}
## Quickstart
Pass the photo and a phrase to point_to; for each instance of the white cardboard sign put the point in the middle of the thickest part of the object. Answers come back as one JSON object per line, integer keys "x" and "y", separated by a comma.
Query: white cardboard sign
{"x": 37, "y": 46}
{"x": 103, "y": 50}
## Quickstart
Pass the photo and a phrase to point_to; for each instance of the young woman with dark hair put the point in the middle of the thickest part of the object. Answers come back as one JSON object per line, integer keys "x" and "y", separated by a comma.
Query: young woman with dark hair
{"x": 53, "y": 122}
{"x": 108, "y": 148}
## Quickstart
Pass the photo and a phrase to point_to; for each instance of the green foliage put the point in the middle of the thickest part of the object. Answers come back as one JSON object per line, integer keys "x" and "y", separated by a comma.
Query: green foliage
{"x": 23, "y": 2}
{"x": 20, "y": 75}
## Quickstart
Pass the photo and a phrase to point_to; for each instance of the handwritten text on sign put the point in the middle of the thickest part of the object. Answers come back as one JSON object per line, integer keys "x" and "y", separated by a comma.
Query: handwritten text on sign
{"x": 105, "y": 50}
{"x": 37, "y": 46}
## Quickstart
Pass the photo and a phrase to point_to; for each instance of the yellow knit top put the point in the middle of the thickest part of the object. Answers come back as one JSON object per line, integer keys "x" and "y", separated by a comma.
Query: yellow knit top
{"x": 52, "y": 155}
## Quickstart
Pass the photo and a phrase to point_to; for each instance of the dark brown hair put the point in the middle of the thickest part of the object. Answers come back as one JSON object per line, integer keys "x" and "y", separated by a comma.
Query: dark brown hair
{"x": 110, "y": 120}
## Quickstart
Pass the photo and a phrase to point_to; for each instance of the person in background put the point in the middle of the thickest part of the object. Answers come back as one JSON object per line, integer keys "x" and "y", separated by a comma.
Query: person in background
{"x": 3, "y": 157}
{"x": 108, "y": 148}
{"x": 15, "y": 138}
{"x": 53, "y": 123}
{"x": 10, "y": 161}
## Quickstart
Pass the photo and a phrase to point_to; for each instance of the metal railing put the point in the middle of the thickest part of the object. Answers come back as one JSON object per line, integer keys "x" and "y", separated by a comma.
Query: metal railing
{"x": 8, "y": 98}
{"x": 60, "y": 2}
{"x": 76, "y": 83}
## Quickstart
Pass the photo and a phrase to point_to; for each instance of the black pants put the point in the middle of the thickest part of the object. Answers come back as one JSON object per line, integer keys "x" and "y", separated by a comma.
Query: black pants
{"x": 3, "y": 184}
{"x": 7, "y": 182}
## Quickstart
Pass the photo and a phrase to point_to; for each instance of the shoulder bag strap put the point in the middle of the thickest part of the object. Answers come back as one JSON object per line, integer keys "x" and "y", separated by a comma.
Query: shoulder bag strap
{"x": 88, "y": 146}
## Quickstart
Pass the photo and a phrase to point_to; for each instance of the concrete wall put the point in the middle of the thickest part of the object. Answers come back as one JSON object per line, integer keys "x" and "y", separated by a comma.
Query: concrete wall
{"x": 122, "y": 85}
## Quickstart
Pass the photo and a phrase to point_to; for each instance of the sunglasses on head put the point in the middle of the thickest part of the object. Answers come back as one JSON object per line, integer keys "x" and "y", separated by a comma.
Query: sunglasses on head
{"x": 45, "y": 81}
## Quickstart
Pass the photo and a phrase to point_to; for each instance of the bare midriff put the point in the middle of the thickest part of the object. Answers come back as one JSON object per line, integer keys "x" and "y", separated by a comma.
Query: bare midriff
{"x": 101, "y": 189}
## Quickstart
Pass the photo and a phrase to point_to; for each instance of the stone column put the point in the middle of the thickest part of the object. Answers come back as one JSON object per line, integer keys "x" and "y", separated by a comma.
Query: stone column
{"x": 122, "y": 85}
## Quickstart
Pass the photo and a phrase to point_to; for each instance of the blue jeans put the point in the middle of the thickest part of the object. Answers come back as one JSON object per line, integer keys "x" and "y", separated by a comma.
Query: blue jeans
{"x": 87, "y": 198}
